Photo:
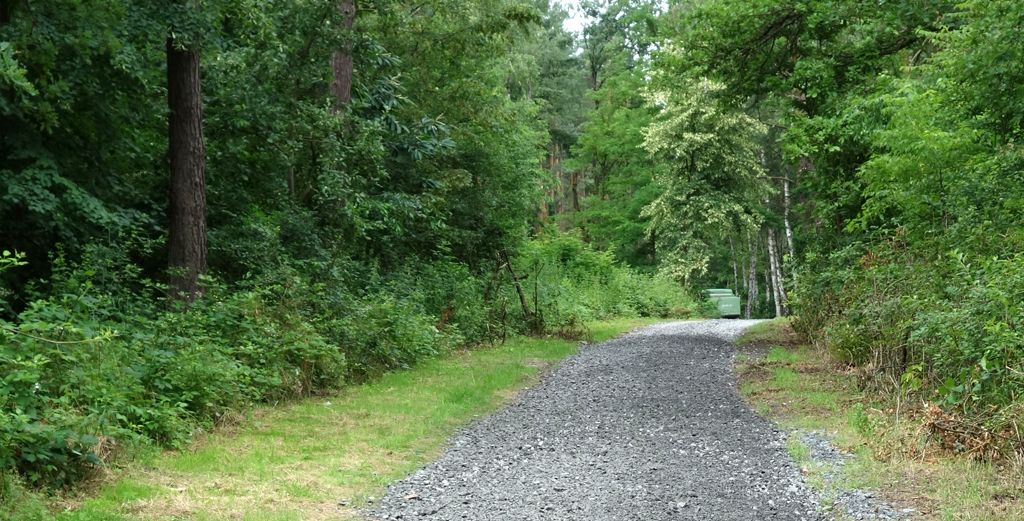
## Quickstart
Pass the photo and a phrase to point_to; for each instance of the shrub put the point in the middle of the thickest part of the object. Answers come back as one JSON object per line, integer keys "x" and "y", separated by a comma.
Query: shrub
{"x": 100, "y": 360}
{"x": 82, "y": 374}
{"x": 570, "y": 283}
{"x": 953, "y": 325}
{"x": 973, "y": 334}
{"x": 383, "y": 333}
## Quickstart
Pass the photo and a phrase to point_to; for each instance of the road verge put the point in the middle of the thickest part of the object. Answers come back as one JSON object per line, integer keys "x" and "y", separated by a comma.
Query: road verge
{"x": 880, "y": 459}
{"x": 324, "y": 457}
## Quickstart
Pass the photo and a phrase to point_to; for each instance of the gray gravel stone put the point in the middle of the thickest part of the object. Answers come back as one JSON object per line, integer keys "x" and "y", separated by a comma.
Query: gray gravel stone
{"x": 645, "y": 427}
{"x": 851, "y": 503}
{"x": 863, "y": 505}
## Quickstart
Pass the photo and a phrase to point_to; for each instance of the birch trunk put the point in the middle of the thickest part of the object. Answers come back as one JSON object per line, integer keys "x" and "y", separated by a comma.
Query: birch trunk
{"x": 769, "y": 292}
{"x": 778, "y": 292}
{"x": 735, "y": 267}
{"x": 751, "y": 277}
{"x": 744, "y": 278}
{"x": 785, "y": 214}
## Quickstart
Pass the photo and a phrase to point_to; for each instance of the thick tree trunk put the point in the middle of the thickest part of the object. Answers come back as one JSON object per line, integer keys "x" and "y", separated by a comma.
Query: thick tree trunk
{"x": 751, "y": 277}
{"x": 575, "y": 180}
{"x": 542, "y": 213}
{"x": 187, "y": 212}
{"x": 341, "y": 62}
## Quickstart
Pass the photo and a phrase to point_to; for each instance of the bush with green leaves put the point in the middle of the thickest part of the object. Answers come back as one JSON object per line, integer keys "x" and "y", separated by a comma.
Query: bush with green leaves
{"x": 568, "y": 282}
{"x": 957, "y": 338}
{"x": 973, "y": 335}
{"x": 91, "y": 368}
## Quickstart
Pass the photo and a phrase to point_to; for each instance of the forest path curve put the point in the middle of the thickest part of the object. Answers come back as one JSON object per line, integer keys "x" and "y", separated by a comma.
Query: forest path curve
{"x": 649, "y": 426}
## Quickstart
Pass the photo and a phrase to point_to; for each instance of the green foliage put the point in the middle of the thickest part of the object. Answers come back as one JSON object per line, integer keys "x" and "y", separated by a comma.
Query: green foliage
{"x": 570, "y": 284}
{"x": 898, "y": 124}
{"x": 715, "y": 183}
{"x": 973, "y": 338}
{"x": 619, "y": 173}
{"x": 624, "y": 173}
{"x": 347, "y": 243}
{"x": 382, "y": 333}
{"x": 341, "y": 244}
{"x": 88, "y": 370}
{"x": 101, "y": 362}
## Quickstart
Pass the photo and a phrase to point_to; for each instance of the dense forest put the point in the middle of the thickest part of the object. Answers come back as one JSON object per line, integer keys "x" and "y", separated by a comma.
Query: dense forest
{"x": 208, "y": 204}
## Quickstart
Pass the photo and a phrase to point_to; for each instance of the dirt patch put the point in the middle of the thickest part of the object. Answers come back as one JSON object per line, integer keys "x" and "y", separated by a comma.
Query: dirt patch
{"x": 755, "y": 351}
{"x": 538, "y": 363}
{"x": 754, "y": 372}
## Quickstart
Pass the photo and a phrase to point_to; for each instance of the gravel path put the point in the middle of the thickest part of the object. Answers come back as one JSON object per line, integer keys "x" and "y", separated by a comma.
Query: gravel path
{"x": 645, "y": 427}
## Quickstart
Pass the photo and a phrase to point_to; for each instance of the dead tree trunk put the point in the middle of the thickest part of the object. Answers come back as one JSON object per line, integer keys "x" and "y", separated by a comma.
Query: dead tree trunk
{"x": 528, "y": 315}
{"x": 341, "y": 61}
{"x": 187, "y": 211}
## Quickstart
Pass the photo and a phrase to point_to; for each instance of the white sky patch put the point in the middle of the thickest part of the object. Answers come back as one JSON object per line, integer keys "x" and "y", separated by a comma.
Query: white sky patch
{"x": 577, "y": 20}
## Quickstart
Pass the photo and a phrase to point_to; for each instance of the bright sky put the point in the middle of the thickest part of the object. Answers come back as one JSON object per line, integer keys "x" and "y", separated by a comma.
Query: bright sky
{"x": 576, "y": 20}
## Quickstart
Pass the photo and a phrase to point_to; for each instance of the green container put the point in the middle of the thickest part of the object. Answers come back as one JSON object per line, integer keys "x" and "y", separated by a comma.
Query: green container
{"x": 728, "y": 303}
{"x": 718, "y": 291}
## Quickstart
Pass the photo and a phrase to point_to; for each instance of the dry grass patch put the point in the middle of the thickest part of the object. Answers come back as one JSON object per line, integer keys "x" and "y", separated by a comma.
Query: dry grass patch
{"x": 801, "y": 388}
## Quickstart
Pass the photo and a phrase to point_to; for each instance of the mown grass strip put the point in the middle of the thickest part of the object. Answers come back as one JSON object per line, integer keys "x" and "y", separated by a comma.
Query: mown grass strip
{"x": 799, "y": 388}
{"x": 322, "y": 458}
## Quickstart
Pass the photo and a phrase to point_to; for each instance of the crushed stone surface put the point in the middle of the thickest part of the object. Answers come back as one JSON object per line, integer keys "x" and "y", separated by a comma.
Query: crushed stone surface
{"x": 851, "y": 503}
{"x": 648, "y": 427}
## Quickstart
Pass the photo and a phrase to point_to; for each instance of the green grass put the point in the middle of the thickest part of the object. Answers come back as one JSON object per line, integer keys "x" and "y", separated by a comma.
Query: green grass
{"x": 767, "y": 331}
{"x": 799, "y": 388}
{"x": 298, "y": 461}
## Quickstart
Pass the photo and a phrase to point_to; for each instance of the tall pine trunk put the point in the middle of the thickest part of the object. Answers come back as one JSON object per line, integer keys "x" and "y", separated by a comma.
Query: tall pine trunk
{"x": 342, "y": 62}
{"x": 187, "y": 212}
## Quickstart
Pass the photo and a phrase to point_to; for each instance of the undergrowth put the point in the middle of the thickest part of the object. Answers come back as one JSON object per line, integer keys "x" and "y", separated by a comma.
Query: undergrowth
{"x": 895, "y": 449}
{"x": 325, "y": 456}
{"x": 100, "y": 364}
{"x": 945, "y": 330}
